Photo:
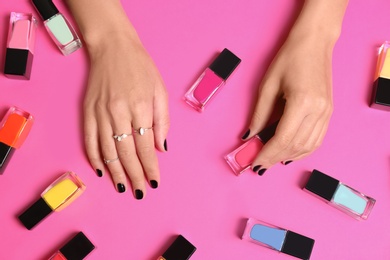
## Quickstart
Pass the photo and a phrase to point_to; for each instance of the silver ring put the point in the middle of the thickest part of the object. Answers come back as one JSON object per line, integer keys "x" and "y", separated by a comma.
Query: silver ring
{"x": 120, "y": 137}
{"x": 141, "y": 130}
{"x": 107, "y": 161}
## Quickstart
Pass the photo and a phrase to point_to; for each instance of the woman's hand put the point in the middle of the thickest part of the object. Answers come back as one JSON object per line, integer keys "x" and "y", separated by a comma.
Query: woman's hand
{"x": 301, "y": 75}
{"x": 125, "y": 93}
{"x": 126, "y": 104}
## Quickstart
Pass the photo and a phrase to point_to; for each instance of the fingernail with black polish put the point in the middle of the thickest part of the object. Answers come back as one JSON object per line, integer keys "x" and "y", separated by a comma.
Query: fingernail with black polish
{"x": 121, "y": 187}
{"x": 99, "y": 173}
{"x": 139, "y": 194}
{"x": 246, "y": 134}
{"x": 154, "y": 184}
{"x": 262, "y": 171}
{"x": 166, "y": 145}
{"x": 256, "y": 168}
{"x": 287, "y": 162}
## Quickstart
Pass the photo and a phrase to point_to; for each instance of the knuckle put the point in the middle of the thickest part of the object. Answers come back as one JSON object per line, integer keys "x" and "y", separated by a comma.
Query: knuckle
{"x": 108, "y": 149}
{"x": 124, "y": 153}
{"x": 89, "y": 139}
{"x": 297, "y": 148}
{"x": 283, "y": 141}
{"x": 256, "y": 116}
{"x": 145, "y": 151}
{"x": 116, "y": 107}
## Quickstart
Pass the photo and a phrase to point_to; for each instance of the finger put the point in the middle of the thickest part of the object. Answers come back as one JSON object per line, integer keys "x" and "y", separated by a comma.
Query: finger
{"x": 267, "y": 99}
{"x": 91, "y": 140}
{"x": 316, "y": 138}
{"x": 109, "y": 153}
{"x": 303, "y": 141}
{"x": 127, "y": 154}
{"x": 314, "y": 141}
{"x": 145, "y": 147}
{"x": 161, "y": 119}
{"x": 288, "y": 126}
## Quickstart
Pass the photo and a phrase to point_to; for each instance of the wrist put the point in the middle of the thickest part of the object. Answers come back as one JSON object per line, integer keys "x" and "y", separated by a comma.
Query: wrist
{"x": 117, "y": 38}
{"x": 321, "y": 19}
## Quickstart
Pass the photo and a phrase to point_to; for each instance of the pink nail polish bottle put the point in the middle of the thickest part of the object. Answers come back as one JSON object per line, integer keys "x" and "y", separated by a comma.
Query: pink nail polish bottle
{"x": 211, "y": 80}
{"x": 20, "y": 46}
{"x": 242, "y": 157}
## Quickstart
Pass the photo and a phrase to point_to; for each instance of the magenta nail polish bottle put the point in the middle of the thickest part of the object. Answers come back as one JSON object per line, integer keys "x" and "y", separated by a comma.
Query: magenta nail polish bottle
{"x": 211, "y": 80}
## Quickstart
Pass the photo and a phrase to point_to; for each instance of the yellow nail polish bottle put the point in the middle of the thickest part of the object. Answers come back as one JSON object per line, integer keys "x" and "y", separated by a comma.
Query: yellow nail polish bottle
{"x": 56, "y": 197}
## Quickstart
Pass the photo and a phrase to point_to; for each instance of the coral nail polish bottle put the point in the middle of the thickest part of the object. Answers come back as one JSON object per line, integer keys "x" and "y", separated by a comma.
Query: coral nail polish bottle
{"x": 20, "y": 46}
{"x": 242, "y": 157}
{"x": 58, "y": 27}
{"x": 76, "y": 249}
{"x": 14, "y": 129}
{"x": 212, "y": 80}
{"x": 56, "y": 197}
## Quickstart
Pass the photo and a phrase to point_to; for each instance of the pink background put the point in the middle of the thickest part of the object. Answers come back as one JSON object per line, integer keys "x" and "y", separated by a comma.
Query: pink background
{"x": 199, "y": 196}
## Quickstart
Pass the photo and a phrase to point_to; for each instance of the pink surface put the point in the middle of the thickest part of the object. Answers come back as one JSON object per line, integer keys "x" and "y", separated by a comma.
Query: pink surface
{"x": 199, "y": 196}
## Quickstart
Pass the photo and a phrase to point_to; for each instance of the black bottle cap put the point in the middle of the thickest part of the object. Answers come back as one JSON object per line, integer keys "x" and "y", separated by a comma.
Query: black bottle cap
{"x": 321, "y": 184}
{"x": 297, "y": 245}
{"x": 6, "y": 153}
{"x": 382, "y": 93}
{"x": 18, "y": 63}
{"x": 180, "y": 249}
{"x": 46, "y": 8}
{"x": 34, "y": 214}
{"x": 225, "y": 64}
{"x": 268, "y": 132}
{"x": 77, "y": 248}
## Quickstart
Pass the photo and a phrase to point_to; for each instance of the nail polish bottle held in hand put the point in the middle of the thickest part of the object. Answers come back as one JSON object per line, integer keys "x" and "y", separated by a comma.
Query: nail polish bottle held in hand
{"x": 58, "y": 27}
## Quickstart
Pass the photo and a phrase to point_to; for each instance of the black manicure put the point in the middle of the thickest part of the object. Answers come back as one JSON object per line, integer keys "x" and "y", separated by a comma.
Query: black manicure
{"x": 166, "y": 145}
{"x": 99, "y": 173}
{"x": 287, "y": 162}
{"x": 262, "y": 171}
{"x": 154, "y": 184}
{"x": 246, "y": 134}
{"x": 121, "y": 188}
{"x": 139, "y": 194}
{"x": 256, "y": 168}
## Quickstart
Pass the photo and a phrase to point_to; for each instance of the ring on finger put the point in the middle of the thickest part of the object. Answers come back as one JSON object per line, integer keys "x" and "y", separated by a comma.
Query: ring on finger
{"x": 120, "y": 137}
{"x": 141, "y": 130}
{"x": 107, "y": 161}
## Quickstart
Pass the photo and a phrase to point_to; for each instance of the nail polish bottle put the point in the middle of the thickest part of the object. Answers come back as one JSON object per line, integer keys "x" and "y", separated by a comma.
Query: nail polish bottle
{"x": 20, "y": 46}
{"x": 181, "y": 249}
{"x": 242, "y": 158}
{"x": 58, "y": 27}
{"x": 279, "y": 239}
{"x": 212, "y": 80}
{"x": 76, "y": 249}
{"x": 339, "y": 195}
{"x": 56, "y": 197}
{"x": 381, "y": 95}
{"x": 14, "y": 129}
